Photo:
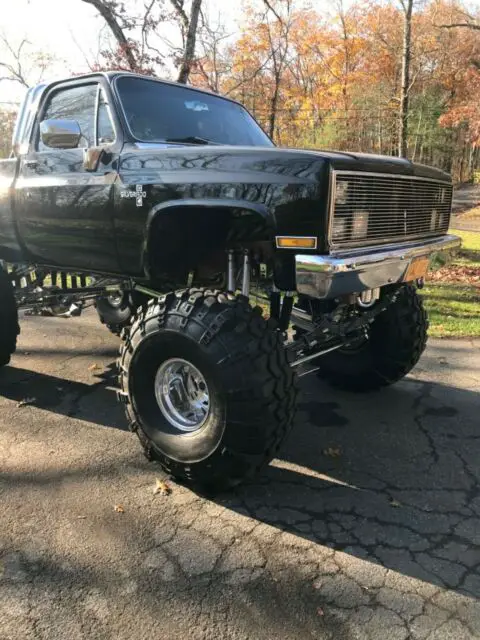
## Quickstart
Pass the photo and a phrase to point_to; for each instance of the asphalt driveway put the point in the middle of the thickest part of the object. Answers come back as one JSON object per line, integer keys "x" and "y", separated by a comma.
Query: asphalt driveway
{"x": 366, "y": 527}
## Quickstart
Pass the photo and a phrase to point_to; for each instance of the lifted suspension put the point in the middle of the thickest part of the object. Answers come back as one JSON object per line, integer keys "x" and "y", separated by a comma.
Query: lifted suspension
{"x": 334, "y": 330}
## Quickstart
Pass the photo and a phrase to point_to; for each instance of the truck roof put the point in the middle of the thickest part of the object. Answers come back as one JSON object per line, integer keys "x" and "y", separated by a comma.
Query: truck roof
{"x": 110, "y": 75}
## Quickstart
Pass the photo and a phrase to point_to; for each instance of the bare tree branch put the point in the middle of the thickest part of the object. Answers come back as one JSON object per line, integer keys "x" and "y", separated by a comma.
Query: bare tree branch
{"x": 461, "y": 25}
{"x": 146, "y": 16}
{"x": 178, "y": 5}
{"x": 107, "y": 11}
{"x": 269, "y": 6}
{"x": 15, "y": 69}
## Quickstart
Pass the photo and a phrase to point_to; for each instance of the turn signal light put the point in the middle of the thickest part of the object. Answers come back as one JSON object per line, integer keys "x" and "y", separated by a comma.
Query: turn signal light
{"x": 296, "y": 242}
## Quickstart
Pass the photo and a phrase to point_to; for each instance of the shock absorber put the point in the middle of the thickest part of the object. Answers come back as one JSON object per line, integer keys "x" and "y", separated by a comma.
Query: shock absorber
{"x": 246, "y": 274}
{"x": 275, "y": 303}
{"x": 286, "y": 312}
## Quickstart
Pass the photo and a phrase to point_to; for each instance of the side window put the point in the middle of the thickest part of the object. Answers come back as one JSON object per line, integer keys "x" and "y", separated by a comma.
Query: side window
{"x": 105, "y": 130}
{"x": 75, "y": 103}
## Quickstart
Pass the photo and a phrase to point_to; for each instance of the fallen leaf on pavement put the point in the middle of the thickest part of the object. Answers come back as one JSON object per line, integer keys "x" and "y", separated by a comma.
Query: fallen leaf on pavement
{"x": 395, "y": 503}
{"x": 81, "y": 517}
{"x": 93, "y": 367}
{"x": 320, "y": 611}
{"x": 332, "y": 452}
{"x": 162, "y": 487}
{"x": 26, "y": 401}
{"x": 119, "y": 508}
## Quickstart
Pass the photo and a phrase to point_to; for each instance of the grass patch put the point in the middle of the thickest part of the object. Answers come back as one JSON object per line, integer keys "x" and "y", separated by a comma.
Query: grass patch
{"x": 454, "y": 307}
{"x": 453, "y": 310}
{"x": 470, "y": 240}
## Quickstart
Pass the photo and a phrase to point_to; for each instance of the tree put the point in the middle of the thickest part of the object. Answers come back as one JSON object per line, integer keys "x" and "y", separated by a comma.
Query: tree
{"x": 114, "y": 14}
{"x": 212, "y": 63}
{"x": 407, "y": 7}
{"x": 7, "y": 123}
{"x": 189, "y": 27}
{"x": 389, "y": 76}
{"x": 134, "y": 28}
{"x": 462, "y": 20}
{"x": 21, "y": 64}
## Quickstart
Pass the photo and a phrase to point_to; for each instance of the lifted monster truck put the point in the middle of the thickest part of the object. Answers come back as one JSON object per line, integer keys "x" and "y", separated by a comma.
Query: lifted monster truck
{"x": 162, "y": 204}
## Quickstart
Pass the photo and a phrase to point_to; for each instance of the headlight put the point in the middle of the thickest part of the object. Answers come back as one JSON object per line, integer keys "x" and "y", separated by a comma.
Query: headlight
{"x": 339, "y": 229}
{"x": 341, "y": 192}
{"x": 359, "y": 224}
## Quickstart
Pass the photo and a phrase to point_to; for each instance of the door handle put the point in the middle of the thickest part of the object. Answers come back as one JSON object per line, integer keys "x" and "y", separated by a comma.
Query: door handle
{"x": 31, "y": 164}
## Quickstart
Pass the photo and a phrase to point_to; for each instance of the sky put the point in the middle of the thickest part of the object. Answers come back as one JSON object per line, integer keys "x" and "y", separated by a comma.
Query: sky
{"x": 70, "y": 30}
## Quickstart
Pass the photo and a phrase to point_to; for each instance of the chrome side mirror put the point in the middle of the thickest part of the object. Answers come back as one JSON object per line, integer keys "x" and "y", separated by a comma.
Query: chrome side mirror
{"x": 60, "y": 134}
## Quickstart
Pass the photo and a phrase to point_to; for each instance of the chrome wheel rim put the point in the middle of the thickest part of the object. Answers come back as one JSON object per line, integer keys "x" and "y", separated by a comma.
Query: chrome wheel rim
{"x": 182, "y": 395}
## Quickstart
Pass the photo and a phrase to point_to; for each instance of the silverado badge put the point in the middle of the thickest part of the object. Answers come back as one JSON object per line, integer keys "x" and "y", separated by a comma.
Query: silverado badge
{"x": 139, "y": 194}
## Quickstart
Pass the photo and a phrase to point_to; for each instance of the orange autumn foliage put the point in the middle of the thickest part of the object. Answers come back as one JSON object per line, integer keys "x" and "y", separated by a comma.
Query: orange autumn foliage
{"x": 334, "y": 81}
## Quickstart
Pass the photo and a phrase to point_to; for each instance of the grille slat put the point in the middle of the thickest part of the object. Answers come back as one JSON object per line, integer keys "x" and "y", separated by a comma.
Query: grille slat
{"x": 399, "y": 208}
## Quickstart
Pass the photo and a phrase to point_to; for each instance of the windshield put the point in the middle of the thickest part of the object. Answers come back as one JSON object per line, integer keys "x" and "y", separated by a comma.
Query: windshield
{"x": 158, "y": 112}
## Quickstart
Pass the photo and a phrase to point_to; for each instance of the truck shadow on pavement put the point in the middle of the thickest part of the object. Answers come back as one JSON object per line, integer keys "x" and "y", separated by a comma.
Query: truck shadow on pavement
{"x": 94, "y": 401}
{"x": 390, "y": 477}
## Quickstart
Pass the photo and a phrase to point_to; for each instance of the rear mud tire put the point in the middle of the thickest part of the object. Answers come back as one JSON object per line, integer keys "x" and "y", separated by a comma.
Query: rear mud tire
{"x": 115, "y": 317}
{"x": 397, "y": 339}
{"x": 8, "y": 319}
{"x": 252, "y": 389}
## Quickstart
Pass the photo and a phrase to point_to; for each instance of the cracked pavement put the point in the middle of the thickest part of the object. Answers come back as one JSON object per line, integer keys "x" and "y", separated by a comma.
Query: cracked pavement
{"x": 366, "y": 527}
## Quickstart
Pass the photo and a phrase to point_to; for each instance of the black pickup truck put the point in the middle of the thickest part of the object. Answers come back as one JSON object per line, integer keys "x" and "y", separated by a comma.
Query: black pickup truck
{"x": 168, "y": 208}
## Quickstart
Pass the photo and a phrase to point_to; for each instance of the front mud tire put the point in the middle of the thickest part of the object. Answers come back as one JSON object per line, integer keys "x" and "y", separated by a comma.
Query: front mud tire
{"x": 252, "y": 389}
{"x": 397, "y": 339}
{"x": 9, "y": 327}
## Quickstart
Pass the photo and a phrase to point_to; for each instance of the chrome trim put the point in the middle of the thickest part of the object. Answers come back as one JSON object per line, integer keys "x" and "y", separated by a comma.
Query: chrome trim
{"x": 60, "y": 134}
{"x": 331, "y": 204}
{"x": 26, "y": 119}
{"x": 312, "y": 356}
{"x": 369, "y": 241}
{"x": 356, "y": 270}
{"x": 182, "y": 395}
{"x": 342, "y": 172}
{"x": 102, "y": 95}
{"x": 246, "y": 275}
{"x": 95, "y": 124}
{"x": 368, "y": 298}
{"x": 314, "y": 238}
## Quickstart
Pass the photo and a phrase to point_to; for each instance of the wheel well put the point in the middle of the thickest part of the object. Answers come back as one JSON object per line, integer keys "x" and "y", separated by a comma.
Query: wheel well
{"x": 181, "y": 238}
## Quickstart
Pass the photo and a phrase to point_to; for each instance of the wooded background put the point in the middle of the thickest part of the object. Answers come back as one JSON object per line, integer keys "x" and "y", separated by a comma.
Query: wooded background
{"x": 398, "y": 77}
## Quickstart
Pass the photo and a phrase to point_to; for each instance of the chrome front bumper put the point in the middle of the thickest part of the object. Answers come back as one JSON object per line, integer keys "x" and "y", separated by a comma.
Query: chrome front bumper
{"x": 358, "y": 270}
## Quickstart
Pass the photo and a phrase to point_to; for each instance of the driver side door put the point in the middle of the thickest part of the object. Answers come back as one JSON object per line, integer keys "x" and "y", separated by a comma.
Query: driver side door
{"x": 64, "y": 208}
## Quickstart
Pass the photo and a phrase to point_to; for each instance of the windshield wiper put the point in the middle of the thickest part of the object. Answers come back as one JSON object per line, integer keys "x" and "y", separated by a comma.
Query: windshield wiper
{"x": 192, "y": 140}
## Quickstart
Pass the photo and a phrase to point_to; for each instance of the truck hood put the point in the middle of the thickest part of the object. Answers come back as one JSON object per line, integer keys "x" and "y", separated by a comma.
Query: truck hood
{"x": 236, "y": 158}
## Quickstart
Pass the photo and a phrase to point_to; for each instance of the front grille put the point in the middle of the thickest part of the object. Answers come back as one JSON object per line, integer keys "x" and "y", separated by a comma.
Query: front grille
{"x": 371, "y": 208}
